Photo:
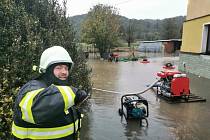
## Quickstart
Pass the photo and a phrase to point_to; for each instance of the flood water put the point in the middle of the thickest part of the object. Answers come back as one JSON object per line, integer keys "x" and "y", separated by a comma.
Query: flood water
{"x": 181, "y": 121}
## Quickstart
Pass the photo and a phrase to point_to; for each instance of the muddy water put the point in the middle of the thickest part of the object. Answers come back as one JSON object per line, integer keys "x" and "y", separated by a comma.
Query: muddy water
{"x": 183, "y": 121}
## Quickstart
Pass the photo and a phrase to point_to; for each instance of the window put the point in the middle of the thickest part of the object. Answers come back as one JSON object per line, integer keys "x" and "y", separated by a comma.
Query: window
{"x": 206, "y": 39}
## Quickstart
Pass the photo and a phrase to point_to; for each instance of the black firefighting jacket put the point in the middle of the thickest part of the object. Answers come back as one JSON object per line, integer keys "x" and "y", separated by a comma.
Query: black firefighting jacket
{"x": 43, "y": 112}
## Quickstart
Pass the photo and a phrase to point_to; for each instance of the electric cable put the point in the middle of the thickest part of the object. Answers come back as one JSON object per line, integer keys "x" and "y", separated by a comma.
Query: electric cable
{"x": 123, "y": 2}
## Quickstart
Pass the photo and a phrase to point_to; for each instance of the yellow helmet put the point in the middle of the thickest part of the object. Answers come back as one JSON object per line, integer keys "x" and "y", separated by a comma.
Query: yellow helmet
{"x": 52, "y": 55}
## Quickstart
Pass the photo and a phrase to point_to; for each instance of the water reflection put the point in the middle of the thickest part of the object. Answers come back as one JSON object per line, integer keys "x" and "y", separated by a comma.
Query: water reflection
{"x": 182, "y": 121}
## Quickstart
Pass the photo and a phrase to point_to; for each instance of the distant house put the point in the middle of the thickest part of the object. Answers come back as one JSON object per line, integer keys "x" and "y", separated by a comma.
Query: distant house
{"x": 150, "y": 46}
{"x": 195, "y": 49}
{"x": 164, "y": 46}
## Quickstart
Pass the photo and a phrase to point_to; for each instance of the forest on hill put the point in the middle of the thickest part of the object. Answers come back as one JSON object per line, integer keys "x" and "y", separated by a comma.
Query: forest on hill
{"x": 143, "y": 29}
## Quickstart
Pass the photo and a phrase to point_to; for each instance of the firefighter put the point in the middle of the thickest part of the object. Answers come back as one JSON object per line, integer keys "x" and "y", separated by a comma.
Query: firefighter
{"x": 45, "y": 107}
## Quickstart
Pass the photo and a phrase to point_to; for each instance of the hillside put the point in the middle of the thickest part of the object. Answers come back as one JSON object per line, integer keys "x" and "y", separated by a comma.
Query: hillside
{"x": 145, "y": 29}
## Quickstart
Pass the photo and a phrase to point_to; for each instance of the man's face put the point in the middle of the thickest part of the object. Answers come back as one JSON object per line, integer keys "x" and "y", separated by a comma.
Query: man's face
{"x": 61, "y": 71}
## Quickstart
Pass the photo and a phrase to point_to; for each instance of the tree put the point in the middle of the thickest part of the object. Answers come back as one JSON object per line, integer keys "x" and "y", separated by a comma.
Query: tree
{"x": 101, "y": 28}
{"x": 19, "y": 44}
{"x": 27, "y": 27}
{"x": 169, "y": 29}
{"x": 55, "y": 29}
{"x": 128, "y": 32}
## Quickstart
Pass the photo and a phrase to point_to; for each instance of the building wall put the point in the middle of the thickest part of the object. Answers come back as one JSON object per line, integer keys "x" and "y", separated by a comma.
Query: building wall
{"x": 195, "y": 64}
{"x": 190, "y": 58}
{"x": 197, "y": 8}
{"x": 192, "y": 34}
{"x": 150, "y": 46}
{"x": 169, "y": 47}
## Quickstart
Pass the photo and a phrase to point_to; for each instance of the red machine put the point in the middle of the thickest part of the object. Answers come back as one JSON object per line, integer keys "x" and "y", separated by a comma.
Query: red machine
{"x": 176, "y": 86}
{"x": 145, "y": 61}
{"x": 113, "y": 57}
{"x": 169, "y": 66}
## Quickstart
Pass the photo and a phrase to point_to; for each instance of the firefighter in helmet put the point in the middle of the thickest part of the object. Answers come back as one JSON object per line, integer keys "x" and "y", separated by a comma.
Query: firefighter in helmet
{"x": 45, "y": 107}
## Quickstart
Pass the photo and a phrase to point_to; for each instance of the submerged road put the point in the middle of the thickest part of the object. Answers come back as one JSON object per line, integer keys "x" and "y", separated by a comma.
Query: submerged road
{"x": 183, "y": 121}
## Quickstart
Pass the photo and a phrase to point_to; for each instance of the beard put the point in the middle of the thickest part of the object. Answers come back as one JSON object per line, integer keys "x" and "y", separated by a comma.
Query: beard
{"x": 49, "y": 77}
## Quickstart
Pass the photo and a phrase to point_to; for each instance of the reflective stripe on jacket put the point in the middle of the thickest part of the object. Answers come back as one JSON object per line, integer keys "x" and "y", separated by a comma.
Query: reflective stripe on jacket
{"x": 43, "y": 133}
{"x": 45, "y": 112}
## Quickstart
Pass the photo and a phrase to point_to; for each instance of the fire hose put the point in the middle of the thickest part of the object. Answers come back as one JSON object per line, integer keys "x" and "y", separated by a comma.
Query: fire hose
{"x": 118, "y": 92}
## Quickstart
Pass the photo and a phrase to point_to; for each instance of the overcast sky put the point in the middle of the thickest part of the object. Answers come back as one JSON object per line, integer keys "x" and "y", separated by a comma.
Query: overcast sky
{"x": 138, "y": 9}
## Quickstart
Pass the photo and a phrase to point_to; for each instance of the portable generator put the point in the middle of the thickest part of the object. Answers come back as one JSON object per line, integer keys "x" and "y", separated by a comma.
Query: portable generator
{"x": 134, "y": 106}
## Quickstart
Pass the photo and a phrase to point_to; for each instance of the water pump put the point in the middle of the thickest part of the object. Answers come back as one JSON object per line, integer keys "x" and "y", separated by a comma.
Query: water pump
{"x": 134, "y": 106}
